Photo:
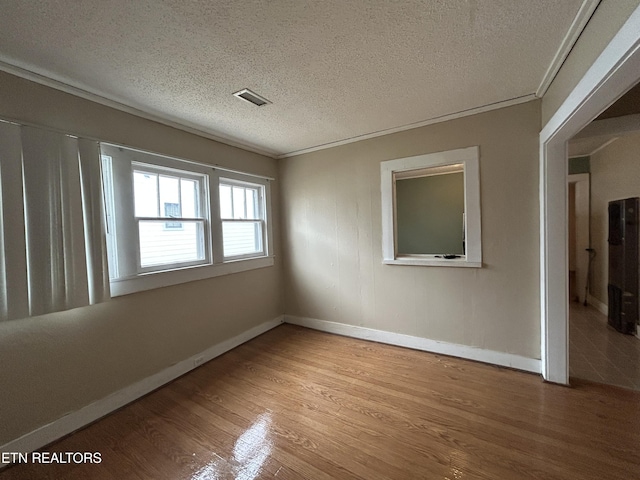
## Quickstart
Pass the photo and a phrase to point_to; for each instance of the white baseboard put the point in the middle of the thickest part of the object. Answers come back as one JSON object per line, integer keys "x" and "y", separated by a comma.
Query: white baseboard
{"x": 419, "y": 343}
{"x": 601, "y": 307}
{"x": 75, "y": 420}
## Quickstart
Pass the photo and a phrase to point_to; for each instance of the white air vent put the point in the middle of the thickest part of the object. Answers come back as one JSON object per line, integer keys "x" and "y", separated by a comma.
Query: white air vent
{"x": 251, "y": 97}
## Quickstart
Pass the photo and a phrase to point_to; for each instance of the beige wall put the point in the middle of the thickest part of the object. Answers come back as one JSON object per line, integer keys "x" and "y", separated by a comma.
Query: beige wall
{"x": 332, "y": 238}
{"x": 604, "y": 24}
{"x": 57, "y": 363}
{"x": 615, "y": 174}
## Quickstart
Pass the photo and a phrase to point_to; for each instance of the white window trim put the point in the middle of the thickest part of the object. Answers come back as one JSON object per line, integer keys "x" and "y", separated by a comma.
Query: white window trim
{"x": 201, "y": 178}
{"x": 218, "y": 265}
{"x": 235, "y": 179}
{"x": 150, "y": 281}
{"x": 469, "y": 158}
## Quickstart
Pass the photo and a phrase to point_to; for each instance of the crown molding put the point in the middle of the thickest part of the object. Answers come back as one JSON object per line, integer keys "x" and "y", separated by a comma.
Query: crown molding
{"x": 575, "y": 30}
{"x": 67, "y": 87}
{"x": 411, "y": 126}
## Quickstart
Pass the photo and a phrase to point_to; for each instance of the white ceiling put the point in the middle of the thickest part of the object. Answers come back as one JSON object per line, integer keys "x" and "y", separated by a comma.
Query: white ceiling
{"x": 334, "y": 69}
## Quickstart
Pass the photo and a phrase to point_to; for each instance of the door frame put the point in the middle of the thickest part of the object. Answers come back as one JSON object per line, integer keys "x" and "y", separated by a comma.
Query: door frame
{"x": 614, "y": 72}
{"x": 582, "y": 182}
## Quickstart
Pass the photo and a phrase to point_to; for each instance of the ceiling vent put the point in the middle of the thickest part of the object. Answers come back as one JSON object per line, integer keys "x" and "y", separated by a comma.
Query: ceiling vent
{"x": 251, "y": 97}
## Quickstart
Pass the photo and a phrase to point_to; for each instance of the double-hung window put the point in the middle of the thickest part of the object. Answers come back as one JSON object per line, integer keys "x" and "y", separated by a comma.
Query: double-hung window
{"x": 170, "y": 221}
{"x": 169, "y": 212}
{"x": 241, "y": 212}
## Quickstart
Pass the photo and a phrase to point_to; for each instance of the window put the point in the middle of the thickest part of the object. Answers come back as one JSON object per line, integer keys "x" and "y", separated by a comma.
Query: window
{"x": 431, "y": 209}
{"x": 171, "y": 221}
{"x": 241, "y": 215}
{"x": 161, "y": 195}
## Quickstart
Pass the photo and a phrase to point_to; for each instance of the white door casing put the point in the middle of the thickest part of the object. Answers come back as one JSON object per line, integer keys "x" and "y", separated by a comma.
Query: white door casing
{"x": 614, "y": 72}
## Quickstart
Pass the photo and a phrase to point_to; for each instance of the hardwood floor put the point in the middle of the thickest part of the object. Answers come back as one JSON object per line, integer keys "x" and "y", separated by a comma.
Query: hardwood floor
{"x": 296, "y": 403}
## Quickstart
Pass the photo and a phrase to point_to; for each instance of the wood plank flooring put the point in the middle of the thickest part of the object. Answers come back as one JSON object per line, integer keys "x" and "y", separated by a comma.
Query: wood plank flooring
{"x": 296, "y": 403}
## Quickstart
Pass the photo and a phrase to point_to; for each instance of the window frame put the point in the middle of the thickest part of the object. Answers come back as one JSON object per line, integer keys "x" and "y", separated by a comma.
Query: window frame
{"x": 128, "y": 281}
{"x": 202, "y": 180}
{"x": 259, "y": 208}
{"x": 400, "y": 168}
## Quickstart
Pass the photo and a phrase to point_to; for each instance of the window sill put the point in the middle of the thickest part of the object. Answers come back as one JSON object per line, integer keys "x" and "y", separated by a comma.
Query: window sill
{"x": 150, "y": 281}
{"x": 431, "y": 261}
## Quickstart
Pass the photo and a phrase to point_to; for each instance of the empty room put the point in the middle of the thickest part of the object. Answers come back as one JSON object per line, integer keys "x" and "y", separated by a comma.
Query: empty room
{"x": 299, "y": 239}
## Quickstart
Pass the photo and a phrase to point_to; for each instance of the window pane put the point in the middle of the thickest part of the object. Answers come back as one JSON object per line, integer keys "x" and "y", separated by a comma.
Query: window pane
{"x": 429, "y": 213}
{"x": 145, "y": 187}
{"x": 238, "y": 203}
{"x": 241, "y": 238}
{"x": 251, "y": 195}
{"x": 160, "y": 245}
{"x": 225, "y": 202}
{"x": 172, "y": 210}
{"x": 188, "y": 190}
{"x": 170, "y": 196}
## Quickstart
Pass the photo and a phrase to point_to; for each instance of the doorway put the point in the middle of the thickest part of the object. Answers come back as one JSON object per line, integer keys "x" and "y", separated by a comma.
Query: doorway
{"x": 614, "y": 72}
{"x": 603, "y": 166}
{"x": 578, "y": 225}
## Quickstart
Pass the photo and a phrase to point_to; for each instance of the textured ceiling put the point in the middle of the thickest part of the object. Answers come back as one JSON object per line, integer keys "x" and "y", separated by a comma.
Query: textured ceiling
{"x": 334, "y": 70}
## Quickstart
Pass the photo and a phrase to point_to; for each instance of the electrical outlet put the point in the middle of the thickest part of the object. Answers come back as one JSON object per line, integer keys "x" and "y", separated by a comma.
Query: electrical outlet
{"x": 198, "y": 361}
